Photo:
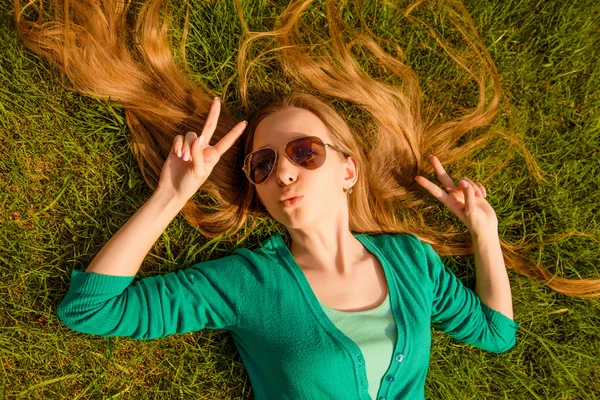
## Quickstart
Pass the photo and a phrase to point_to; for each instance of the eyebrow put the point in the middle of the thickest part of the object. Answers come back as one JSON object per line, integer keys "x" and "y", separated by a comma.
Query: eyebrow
{"x": 295, "y": 137}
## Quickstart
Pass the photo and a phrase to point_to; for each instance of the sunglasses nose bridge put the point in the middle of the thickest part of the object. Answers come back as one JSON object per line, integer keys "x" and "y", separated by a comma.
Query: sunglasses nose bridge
{"x": 279, "y": 160}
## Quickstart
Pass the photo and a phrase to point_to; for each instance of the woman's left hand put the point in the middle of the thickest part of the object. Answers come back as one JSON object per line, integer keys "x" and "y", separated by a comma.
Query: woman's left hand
{"x": 468, "y": 203}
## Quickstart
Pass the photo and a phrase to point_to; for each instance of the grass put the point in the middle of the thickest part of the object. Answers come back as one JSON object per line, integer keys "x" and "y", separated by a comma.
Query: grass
{"x": 69, "y": 183}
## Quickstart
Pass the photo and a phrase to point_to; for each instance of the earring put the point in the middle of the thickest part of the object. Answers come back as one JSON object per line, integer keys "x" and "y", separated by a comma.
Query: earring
{"x": 350, "y": 191}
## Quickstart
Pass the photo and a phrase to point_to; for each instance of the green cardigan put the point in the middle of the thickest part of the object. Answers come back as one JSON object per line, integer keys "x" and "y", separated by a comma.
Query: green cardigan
{"x": 289, "y": 346}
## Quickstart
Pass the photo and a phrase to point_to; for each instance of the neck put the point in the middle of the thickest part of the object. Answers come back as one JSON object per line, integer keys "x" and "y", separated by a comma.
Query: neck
{"x": 336, "y": 256}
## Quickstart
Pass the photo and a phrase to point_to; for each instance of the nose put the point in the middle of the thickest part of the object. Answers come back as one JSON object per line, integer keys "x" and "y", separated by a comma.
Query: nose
{"x": 285, "y": 169}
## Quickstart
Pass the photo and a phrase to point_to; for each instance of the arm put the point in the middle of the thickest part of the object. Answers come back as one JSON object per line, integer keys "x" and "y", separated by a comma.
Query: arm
{"x": 110, "y": 302}
{"x": 207, "y": 295}
{"x": 125, "y": 251}
{"x": 458, "y": 311}
{"x": 104, "y": 300}
{"x": 492, "y": 284}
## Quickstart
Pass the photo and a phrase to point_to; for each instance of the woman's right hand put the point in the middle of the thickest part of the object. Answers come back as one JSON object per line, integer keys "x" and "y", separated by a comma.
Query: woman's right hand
{"x": 192, "y": 159}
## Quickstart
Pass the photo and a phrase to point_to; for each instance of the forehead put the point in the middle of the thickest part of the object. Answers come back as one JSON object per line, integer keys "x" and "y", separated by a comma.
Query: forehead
{"x": 279, "y": 128}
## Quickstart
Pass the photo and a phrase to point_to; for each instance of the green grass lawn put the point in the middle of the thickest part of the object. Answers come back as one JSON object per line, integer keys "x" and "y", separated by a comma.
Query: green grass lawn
{"x": 69, "y": 182}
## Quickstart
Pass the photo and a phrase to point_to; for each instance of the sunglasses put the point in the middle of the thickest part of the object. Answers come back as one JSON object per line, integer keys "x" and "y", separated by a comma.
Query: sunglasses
{"x": 307, "y": 152}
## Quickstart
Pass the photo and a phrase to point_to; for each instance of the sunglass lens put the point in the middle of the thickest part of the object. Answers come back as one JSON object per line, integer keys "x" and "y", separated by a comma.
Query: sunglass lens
{"x": 307, "y": 152}
{"x": 260, "y": 165}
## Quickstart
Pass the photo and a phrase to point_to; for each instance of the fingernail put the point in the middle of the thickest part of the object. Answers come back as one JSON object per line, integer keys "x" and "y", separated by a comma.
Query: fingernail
{"x": 463, "y": 184}
{"x": 178, "y": 152}
{"x": 217, "y": 98}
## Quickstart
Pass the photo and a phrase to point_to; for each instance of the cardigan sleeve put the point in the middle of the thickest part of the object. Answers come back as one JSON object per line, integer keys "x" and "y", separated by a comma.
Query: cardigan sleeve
{"x": 458, "y": 311}
{"x": 204, "y": 295}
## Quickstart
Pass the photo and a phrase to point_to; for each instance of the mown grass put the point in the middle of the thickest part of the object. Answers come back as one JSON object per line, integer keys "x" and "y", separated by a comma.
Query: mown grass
{"x": 69, "y": 183}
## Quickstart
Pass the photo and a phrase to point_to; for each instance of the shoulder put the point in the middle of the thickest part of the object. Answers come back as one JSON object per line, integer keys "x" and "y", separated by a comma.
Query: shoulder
{"x": 406, "y": 258}
{"x": 401, "y": 249}
{"x": 397, "y": 242}
{"x": 236, "y": 263}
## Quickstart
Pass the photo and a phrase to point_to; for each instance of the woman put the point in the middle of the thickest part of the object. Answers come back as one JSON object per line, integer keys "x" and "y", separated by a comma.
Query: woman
{"x": 343, "y": 307}
{"x": 274, "y": 299}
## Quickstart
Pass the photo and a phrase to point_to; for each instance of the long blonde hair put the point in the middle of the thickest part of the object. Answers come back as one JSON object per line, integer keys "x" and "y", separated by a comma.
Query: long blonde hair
{"x": 91, "y": 44}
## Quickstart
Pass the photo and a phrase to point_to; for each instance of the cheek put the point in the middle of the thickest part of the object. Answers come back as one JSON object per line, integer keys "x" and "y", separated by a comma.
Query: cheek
{"x": 263, "y": 196}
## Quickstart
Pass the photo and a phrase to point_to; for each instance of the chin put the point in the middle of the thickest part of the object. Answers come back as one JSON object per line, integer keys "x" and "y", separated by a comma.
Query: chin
{"x": 296, "y": 221}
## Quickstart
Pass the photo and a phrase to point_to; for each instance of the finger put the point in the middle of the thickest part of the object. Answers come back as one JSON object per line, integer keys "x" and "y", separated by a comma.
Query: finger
{"x": 177, "y": 144}
{"x": 442, "y": 175}
{"x": 469, "y": 196}
{"x": 187, "y": 145}
{"x": 228, "y": 140}
{"x": 481, "y": 188}
{"x": 476, "y": 190}
{"x": 432, "y": 188}
{"x": 197, "y": 153}
{"x": 211, "y": 122}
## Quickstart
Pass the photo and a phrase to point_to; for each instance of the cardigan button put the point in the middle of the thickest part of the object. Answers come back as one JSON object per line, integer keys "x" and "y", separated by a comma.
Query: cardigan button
{"x": 390, "y": 378}
{"x": 399, "y": 357}
{"x": 364, "y": 383}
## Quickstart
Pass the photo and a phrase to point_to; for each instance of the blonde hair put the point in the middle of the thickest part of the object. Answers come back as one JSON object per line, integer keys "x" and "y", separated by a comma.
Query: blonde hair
{"x": 90, "y": 44}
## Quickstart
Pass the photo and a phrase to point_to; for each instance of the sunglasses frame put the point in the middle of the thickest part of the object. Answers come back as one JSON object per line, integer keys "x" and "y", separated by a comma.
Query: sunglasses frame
{"x": 325, "y": 145}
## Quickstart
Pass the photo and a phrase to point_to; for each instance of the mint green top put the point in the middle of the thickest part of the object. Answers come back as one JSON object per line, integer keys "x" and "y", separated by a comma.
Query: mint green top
{"x": 289, "y": 345}
{"x": 375, "y": 333}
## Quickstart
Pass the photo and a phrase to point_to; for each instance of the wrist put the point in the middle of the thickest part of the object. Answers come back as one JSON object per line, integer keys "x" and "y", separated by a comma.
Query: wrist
{"x": 169, "y": 198}
{"x": 485, "y": 234}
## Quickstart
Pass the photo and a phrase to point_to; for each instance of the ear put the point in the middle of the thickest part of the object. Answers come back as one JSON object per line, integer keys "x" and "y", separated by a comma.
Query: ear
{"x": 350, "y": 172}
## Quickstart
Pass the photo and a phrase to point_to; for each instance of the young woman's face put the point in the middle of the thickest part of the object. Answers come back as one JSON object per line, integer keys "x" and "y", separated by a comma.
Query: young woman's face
{"x": 322, "y": 189}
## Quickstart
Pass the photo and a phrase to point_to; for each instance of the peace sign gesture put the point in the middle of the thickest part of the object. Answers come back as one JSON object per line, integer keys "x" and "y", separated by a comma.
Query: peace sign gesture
{"x": 467, "y": 202}
{"x": 192, "y": 158}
